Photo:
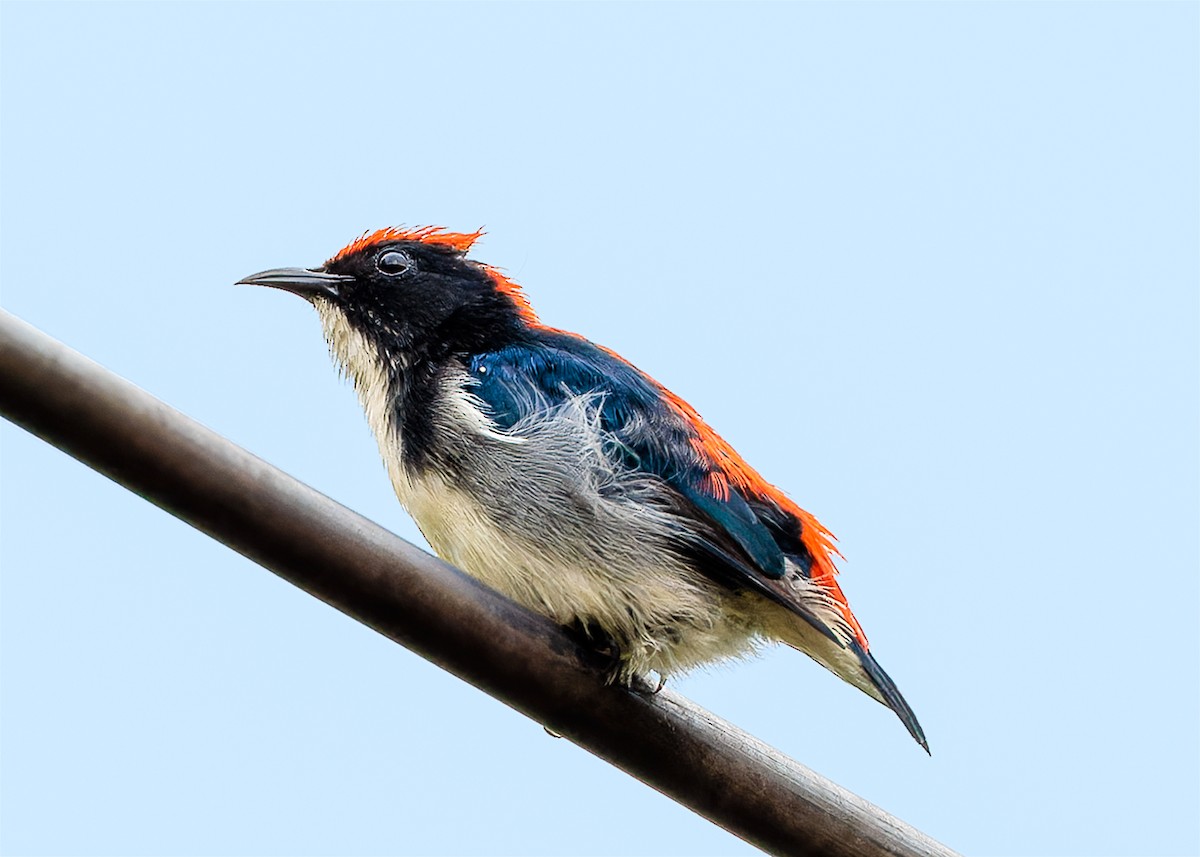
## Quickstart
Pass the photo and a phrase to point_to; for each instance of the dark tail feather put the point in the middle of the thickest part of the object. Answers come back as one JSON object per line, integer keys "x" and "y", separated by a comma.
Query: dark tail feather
{"x": 891, "y": 695}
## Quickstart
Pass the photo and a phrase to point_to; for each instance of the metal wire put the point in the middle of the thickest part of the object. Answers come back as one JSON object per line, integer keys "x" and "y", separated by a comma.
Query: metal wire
{"x": 520, "y": 658}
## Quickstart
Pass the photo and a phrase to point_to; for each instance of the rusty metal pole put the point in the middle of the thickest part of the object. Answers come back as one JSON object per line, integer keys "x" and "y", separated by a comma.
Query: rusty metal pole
{"x": 424, "y": 604}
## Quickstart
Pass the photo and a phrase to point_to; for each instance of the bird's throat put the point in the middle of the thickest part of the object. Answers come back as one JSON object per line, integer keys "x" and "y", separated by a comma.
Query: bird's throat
{"x": 360, "y": 360}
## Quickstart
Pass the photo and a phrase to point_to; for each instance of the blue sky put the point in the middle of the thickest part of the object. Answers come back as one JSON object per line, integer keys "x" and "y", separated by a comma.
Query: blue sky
{"x": 932, "y": 268}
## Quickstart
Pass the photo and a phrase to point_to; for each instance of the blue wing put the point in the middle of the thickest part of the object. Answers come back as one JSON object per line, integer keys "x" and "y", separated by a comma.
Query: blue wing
{"x": 741, "y": 548}
{"x": 739, "y": 540}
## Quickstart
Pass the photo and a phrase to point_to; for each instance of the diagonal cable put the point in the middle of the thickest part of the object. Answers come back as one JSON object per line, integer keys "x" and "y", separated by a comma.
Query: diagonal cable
{"x": 420, "y": 602}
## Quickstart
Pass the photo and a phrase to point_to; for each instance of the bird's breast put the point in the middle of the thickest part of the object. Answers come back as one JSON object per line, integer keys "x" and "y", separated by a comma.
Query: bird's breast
{"x": 541, "y": 513}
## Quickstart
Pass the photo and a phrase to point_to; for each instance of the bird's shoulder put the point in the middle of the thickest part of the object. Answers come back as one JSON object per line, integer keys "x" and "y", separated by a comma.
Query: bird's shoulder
{"x": 550, "y": 366}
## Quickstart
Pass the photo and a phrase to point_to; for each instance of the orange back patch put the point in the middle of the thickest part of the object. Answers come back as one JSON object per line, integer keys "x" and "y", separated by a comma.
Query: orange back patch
{"x": 730, "y": 470}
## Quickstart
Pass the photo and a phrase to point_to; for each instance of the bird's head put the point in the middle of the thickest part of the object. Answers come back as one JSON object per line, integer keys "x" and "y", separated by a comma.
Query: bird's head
{"x": 408, "y": 294}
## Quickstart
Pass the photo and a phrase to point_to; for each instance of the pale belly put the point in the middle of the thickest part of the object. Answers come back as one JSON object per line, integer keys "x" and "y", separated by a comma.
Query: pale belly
{"x": 606, "y": 563}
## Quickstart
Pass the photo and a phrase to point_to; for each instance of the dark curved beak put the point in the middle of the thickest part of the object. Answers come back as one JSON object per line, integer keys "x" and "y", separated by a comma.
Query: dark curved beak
{"x": 305, "y": 282}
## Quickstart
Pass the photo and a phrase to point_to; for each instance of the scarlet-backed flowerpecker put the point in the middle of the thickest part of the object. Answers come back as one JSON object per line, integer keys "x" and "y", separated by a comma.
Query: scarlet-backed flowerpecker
{"x": 564, "y": 477}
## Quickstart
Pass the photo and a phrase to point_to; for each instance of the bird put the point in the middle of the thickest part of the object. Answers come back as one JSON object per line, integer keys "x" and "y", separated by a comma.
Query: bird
{"x": 558, "y": 473}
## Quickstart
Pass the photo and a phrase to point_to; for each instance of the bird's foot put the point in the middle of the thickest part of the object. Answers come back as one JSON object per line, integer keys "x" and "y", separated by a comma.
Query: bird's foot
{"x": 646, "y": 685}
{"x": 606, "y": 651}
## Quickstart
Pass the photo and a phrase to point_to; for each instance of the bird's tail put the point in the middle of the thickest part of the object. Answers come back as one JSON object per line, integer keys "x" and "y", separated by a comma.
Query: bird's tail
{"x": 851, "y": 662}
{"x": 889, "y": 694}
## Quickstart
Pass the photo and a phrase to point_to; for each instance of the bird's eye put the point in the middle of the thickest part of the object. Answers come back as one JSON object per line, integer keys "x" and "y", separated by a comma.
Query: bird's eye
{"x": 393, "y": 262}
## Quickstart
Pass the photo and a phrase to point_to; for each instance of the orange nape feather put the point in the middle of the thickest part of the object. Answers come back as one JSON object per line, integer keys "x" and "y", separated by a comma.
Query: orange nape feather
{"x": 507, "y": 287}
{"x": 460, "y": 241}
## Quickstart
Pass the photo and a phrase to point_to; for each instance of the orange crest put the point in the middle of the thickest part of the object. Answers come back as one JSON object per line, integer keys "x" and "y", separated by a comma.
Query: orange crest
{"x": 460, "y": 241}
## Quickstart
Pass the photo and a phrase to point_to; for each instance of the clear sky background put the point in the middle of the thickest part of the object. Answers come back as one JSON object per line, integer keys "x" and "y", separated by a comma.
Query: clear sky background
{"x": 931, "y": 268}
